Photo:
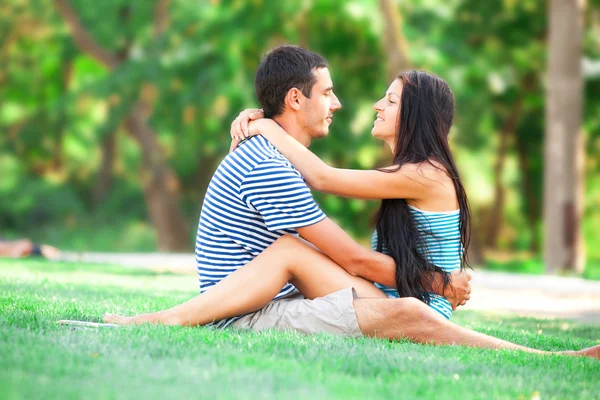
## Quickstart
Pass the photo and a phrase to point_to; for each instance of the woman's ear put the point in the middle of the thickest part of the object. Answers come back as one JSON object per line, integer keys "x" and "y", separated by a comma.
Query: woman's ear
{"x": 293, "y": 99}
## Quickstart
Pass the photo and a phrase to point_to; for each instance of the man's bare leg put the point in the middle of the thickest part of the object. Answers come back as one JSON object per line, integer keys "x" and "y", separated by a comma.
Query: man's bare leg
{"x": 255, "y": 284}
{"x": 409, "y": 318}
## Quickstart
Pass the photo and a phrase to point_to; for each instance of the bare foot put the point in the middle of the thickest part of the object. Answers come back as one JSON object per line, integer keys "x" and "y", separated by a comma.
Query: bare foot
{"x": 119, "y": 319}
{"x": 49, "y": 252}
{"x": 593, "y": 352}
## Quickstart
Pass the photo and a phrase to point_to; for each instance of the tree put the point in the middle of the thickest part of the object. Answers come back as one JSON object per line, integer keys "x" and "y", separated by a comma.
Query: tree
{"x": 393, "y": 39}
{"x": 160, "y": 184}
{"x": 563, "y": 153}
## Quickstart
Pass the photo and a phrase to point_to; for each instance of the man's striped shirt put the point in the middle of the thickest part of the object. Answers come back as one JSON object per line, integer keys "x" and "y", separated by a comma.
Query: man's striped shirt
{"x": 254, "y": 197}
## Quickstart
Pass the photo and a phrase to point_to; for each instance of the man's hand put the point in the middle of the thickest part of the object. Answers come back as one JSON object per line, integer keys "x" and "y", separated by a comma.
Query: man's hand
{"x": 239, "y": 126}
{"x": 458, "y": 292}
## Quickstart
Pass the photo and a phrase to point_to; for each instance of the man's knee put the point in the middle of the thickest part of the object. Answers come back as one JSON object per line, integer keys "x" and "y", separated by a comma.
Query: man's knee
{"x": 406, "y": 310}
{"x": 286, "y": 241}
{"x": 291, "y": 244}
{"x": 395, "y": 318}
{"x": 411, "y": 308}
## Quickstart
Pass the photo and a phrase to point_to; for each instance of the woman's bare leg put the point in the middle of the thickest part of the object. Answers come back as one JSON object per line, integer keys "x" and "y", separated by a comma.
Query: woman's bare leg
{"x": 254, "y": 285}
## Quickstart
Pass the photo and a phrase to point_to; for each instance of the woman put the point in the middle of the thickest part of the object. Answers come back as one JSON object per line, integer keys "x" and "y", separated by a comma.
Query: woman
{"x": 423, "y": 222}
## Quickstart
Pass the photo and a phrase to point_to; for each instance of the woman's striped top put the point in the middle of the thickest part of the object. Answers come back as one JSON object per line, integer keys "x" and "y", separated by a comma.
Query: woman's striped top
{"x": 441, "y": 234}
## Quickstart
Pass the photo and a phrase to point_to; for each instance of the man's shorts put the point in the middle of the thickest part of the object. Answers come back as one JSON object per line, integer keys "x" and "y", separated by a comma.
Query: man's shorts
{"x": 333, "y": 313}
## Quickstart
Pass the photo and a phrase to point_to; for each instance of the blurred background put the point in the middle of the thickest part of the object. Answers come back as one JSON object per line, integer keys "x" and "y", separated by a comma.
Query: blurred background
{"x": 114, "y": 114}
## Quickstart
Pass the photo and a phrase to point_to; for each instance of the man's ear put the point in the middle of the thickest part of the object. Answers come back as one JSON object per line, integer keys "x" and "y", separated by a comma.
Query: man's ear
{"x": 293, "y": 99}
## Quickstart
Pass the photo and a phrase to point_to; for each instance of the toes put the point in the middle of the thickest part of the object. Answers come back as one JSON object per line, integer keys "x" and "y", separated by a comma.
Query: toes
{"x": 110, "y": 318}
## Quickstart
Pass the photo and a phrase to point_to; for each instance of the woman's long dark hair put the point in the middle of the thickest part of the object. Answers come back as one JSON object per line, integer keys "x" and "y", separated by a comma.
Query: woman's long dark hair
{"x": 425, "y": 118}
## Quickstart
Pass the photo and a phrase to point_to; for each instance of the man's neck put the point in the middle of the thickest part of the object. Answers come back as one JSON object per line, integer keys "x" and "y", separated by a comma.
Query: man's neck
{"x": 289, "y": 124}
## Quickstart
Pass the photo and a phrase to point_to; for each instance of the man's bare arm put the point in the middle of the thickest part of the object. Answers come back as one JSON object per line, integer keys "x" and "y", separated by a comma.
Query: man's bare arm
{"x": 328, "y": 237}
{"x": 332, "y": 240}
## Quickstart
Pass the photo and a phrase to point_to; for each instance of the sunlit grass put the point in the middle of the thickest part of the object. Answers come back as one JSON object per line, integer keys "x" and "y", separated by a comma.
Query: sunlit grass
{"x": 40, "y": 359}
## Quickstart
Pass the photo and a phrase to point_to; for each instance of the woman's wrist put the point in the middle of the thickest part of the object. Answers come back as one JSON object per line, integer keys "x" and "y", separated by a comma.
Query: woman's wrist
{"x": 256, "y": 127}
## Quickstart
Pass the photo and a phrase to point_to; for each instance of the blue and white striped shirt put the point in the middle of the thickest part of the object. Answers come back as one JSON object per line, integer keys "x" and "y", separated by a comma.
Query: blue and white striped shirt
{"x": 254, "y": 197}
{"x": 441, "y": 233}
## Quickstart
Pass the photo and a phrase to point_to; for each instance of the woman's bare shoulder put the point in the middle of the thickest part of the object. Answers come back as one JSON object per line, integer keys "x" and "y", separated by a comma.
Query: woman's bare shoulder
{"x": 427, "y": 172}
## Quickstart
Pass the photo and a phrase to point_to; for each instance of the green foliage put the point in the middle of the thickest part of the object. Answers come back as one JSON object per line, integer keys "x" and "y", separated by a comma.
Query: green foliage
{"x": 39, "y": 358}
{"x": 58, "y": 105}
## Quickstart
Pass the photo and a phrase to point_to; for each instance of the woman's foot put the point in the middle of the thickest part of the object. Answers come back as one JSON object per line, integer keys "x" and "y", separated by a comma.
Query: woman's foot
{"x": 593, "y": 352}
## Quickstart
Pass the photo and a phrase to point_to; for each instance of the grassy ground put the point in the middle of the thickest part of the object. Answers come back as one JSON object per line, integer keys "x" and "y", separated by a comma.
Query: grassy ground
{"x": 39, "y": 359}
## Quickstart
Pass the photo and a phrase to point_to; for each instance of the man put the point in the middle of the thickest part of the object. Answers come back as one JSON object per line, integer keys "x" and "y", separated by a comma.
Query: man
{"x": 256, "y": 196}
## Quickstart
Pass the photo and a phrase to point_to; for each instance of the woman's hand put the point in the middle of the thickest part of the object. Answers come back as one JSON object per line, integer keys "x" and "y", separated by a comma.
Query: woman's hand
{"x": 239, "y": 126}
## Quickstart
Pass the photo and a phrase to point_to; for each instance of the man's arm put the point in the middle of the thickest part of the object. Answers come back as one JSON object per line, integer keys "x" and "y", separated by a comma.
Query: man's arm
{"x": 372, "y": 265}
{"x": 332, "y": 240}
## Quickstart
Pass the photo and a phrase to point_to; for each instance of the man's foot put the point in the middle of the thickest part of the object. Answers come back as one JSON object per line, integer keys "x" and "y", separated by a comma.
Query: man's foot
{"x": 119, "y": 319}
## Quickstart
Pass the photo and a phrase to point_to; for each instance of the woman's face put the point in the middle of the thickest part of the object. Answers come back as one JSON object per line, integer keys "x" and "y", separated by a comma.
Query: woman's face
{"x": 388, "y": 109}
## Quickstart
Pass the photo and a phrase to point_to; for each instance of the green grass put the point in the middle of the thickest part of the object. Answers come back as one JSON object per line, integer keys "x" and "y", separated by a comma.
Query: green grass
{"x": 40, "y": 359}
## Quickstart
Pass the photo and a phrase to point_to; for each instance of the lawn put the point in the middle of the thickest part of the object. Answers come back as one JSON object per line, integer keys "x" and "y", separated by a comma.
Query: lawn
{"x": 40, "y": 359}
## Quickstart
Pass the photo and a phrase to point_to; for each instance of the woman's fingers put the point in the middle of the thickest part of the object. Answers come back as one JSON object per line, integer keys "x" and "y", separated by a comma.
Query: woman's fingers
{"x": 234, "y": 144}
{"x": 235, "y": 129}
{"x": 231, "y": 130}
{"x": 257, "y": 114}
{"x": 239, "y": 126}
{"x": 245, "y": 117}
{"x": 250, "y": 115}
{"x": 244, "y": 125}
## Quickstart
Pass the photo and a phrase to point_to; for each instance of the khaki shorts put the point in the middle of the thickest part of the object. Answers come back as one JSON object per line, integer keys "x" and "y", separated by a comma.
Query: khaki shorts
{"x": 333, "y": 313}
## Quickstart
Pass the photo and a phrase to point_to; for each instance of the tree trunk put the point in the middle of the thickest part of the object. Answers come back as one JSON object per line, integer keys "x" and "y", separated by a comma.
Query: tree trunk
{"x": 563, "y": 155}
{"x": 395, "y": 48}
{"x": 475, "y": 255}
{"x": 207, "y": 164}
{"x": 109, "y": 142}
{"x": 532, "y": 201}
{"x": 160, "y": 185}
{"x": 496, "y": 214}
{"x": 393, "y": 40}
{"x": 103, "y": 183}
{"x": 61, "y": 123}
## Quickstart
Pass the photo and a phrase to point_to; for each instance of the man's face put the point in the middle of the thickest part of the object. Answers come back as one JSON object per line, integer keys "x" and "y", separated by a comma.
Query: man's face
{"x": 318, "y": 110}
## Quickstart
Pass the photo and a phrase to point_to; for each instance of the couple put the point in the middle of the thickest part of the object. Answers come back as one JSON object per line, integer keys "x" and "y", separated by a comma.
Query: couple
{"x": 261, "y": 275}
